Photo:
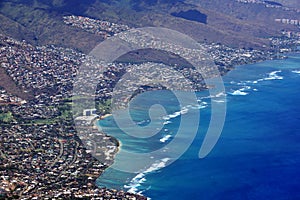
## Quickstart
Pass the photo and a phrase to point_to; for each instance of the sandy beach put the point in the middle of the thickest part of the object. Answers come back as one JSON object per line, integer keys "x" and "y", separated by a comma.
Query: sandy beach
{"x": 105, "y": 116}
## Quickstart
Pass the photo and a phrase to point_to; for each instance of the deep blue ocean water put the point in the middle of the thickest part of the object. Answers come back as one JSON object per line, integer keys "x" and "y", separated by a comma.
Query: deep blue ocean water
{"x": 256, "y": 157}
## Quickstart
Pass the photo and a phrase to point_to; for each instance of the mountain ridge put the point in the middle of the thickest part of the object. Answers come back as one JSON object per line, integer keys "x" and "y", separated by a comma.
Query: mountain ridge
{"x": 231, "y": 23}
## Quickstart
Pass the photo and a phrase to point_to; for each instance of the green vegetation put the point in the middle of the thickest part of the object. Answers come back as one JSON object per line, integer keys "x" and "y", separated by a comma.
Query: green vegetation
{"x": 78, "y": 104}
{"x": 65, "y": 114}
{"x": 66, "y": 111}
{"x": 6, "y": 117}
{"x": 104, "y": 107}
{"x": 81, "y": 103}
{"x": 43, "y": 121}
{"x": 40, "y": 23}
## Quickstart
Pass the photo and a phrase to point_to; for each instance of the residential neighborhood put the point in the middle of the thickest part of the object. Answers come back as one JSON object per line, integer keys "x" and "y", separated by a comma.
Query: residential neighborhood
{"x": 43, "y": 154}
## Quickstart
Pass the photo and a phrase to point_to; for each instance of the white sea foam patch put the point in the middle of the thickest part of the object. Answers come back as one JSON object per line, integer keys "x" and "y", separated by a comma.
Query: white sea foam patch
{"x": 201, "y": 105}
{"x": 183, "y": 111}
{"x": 272, "y": 76}
{"x": 165, "y": 138}
{"x": 139, "y": 179}
{"x": 143, "y": 122}
{"x": 246, "y": 88}
{"x": 219, "y": 101}
{"x": 251, "y": 82}
{"x": 244, "y": 91}
{"x": 296, "y": 71}
{"x": 218, "y": 98}
{"x": 221, "y": 94}
{"x": 167, "y": 122}
{"x": 240, "y": 92}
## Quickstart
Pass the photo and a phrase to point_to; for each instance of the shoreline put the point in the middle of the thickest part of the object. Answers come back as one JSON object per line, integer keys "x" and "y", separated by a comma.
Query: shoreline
{"x": 95, "y": 123}
{"x": 105, "y": 116}
{"x": 119, "y": 143}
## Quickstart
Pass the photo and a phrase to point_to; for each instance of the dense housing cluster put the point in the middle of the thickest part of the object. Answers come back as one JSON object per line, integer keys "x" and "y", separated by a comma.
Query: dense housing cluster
{"x": 38, "y": 161}
{"x": 7, "y": 98}
{"x": 41, "y": 155}
{"x": 289, "y": 21}
{"x": 98, "y": 27}
{"x": 268, "y": 4}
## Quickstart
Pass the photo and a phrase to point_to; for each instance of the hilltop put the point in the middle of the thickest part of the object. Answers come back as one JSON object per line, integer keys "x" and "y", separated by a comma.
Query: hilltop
{"x": 236, "y": 24}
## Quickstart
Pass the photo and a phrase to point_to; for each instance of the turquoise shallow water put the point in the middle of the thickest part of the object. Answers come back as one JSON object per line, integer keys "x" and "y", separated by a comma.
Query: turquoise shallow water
{"x": 257, "y": 156}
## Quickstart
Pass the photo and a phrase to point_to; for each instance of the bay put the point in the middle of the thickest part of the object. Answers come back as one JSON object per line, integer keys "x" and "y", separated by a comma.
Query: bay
{"x": 257, "y": 156}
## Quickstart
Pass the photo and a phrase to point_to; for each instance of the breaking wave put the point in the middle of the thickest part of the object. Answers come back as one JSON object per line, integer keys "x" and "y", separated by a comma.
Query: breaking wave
{"x": 272, "y": 76}
{"x": 165, "y": 138}
{"x": 296, "y": 71}
{"x": 240, "y": 92}
{"x": 135, "y": 183}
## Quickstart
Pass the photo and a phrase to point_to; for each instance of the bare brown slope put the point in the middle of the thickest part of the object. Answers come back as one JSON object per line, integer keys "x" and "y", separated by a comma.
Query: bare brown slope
{"x": 9, "y": 85}
{"x": 290, "y": 3}
{"x": 43, "y": 27}
{"x": 228, "y": 22}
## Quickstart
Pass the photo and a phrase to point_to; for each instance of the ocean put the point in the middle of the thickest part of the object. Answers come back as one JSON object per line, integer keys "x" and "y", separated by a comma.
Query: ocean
{"x": 256, "y": 157}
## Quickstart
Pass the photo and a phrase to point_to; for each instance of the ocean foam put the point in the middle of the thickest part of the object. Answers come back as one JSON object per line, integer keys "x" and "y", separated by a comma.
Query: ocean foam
{"x": 241, "y": 83}
{"x": 167, "y": 122}
{"x": 246, "y": 88}
{"x": 240, "y": 92}
{"x": 135, "y": 183}
{"x": 213, "y": 96}
{"x": 219, "y": 94}
{"x": 142, "y": 123}
{"x": 202, "y": 105}
{"x": 272, "y": 76}
{"x": 183, "y": 111}
{"x": 296, "y": 71}
{"x": 219, "y": 101}
{"x": 166, "y": 138}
